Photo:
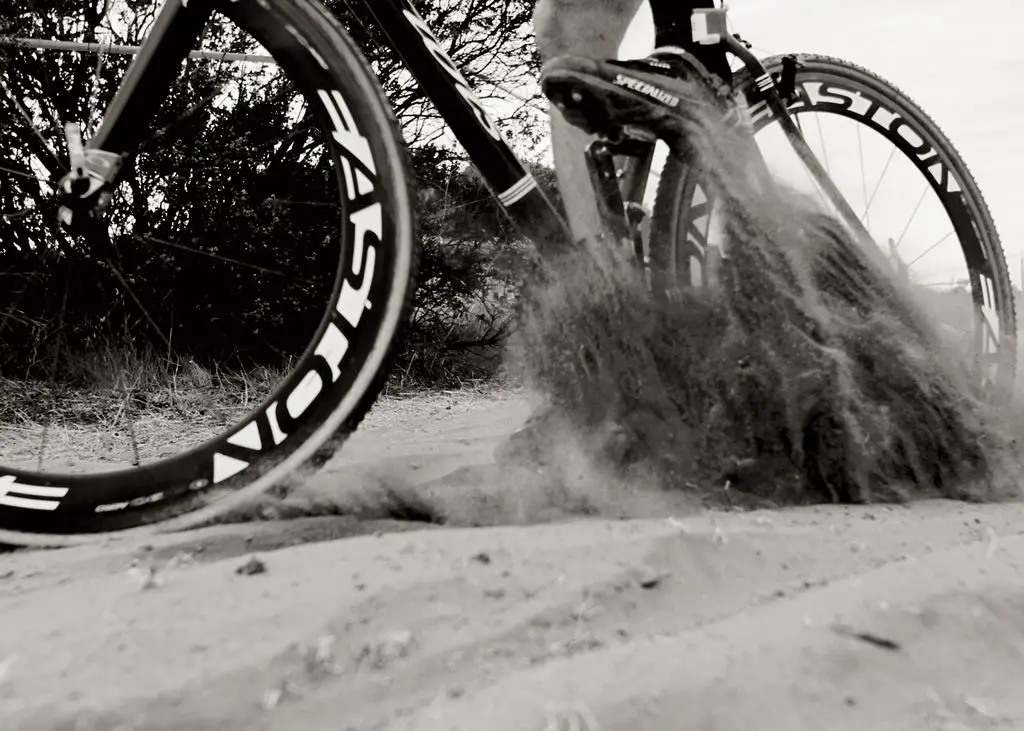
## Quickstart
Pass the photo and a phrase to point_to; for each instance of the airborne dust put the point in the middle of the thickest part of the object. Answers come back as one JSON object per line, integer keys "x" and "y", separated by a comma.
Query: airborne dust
{"x": 806, "y": 376}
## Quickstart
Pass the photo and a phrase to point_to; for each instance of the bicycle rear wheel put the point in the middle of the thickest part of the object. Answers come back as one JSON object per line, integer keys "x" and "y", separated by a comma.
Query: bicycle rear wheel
{"x": 963, "y": 281}
{"x": 239, "y": 314}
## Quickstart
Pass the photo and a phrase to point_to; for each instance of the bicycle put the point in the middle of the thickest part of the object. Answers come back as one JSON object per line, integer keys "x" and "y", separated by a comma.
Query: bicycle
{"x": 342, "y": 369}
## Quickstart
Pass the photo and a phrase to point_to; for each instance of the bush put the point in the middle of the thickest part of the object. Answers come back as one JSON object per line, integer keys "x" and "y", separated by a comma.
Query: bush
{"x": 225, "y": 184}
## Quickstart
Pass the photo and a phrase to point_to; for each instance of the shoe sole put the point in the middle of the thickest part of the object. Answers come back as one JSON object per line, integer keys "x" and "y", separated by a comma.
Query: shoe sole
{"x": 596, "y": 106}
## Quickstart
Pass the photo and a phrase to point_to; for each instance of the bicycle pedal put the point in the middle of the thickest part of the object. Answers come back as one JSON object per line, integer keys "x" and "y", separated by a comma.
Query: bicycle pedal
{"x": 635, "y": 213}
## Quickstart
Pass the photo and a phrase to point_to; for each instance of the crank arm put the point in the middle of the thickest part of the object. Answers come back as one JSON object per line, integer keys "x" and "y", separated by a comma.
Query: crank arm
{"x": 605, "y": 181}
{"x": 622, "y": 217}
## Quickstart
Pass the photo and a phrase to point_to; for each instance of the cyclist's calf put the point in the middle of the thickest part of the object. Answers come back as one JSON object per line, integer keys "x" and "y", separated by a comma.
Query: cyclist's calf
{"x": 589, "y": 28}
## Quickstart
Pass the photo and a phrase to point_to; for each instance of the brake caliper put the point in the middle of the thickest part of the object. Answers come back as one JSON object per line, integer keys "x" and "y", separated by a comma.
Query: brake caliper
{"x": 786, "y": 83}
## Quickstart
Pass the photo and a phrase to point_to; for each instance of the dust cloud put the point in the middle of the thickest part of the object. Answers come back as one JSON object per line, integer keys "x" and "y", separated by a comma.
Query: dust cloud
{"x": 809, "y": 374}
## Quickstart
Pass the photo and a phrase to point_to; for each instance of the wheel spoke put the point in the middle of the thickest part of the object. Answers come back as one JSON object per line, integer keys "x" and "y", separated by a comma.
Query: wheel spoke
{"x": 866, "y": 216}
{"x": 930, "y": 249}
{"x": 19, "y": 173}
{"x": 824, "y": 149}
{"x": 148, "y": 239}
{"x": 878, "y": 183}
{"x": 913, "y": 214}
{"x": 33, "y": 127}
{"x": 130, "y": 291}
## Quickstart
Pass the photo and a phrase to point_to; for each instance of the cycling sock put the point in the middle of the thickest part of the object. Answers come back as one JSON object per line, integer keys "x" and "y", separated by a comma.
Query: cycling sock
{"x": 672, "y": 28}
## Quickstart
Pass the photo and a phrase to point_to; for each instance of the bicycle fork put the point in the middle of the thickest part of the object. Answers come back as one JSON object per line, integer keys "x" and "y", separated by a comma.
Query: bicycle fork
{"x": 96, "y": 164}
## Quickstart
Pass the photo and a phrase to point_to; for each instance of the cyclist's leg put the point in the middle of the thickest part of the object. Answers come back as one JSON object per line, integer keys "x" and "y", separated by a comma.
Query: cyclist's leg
{"x": 590, "y": 29}
{"x": 593, "y": 29}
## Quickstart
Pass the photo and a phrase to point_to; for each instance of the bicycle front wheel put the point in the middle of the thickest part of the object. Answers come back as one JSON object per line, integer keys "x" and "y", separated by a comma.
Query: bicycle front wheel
{"x": 238, "y": 315}
{"x": 902, "y": 176}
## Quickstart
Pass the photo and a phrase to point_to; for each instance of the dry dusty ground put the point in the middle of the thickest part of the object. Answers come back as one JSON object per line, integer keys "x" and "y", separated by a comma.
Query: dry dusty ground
{"x": 860, "y": 618}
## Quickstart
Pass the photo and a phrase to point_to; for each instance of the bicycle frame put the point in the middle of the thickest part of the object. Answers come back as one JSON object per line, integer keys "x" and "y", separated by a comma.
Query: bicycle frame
{"x": 179, "y": 26}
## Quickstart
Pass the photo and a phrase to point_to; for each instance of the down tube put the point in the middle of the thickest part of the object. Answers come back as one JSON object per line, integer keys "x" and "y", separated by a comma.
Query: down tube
{"x": 444, "y": 84}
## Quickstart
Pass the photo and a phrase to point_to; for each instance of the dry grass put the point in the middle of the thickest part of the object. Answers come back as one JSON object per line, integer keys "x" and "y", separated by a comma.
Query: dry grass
{"x": 116, "y": 399}
{"x": 115, "y": 406}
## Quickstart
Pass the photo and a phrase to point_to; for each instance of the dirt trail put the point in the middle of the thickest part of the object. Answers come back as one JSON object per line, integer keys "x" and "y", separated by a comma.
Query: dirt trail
{"x": 876, "y": 617}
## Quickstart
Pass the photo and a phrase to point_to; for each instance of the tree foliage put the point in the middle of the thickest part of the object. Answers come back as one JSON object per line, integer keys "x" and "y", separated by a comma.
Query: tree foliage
{"x": 491, "y": 43}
